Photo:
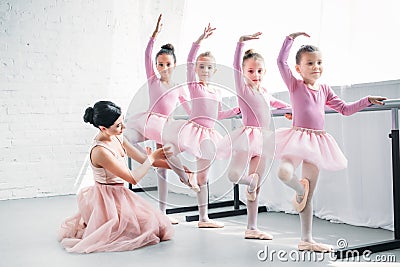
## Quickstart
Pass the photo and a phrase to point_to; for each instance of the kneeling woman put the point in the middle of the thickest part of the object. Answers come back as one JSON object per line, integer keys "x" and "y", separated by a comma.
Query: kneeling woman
{"x": 111, "y": 217}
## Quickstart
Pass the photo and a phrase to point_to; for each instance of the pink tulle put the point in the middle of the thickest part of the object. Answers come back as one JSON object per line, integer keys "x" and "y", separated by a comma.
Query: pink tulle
{"x": 256, "y": 141}
{"x": 113, "y": 218}
{"x": 193, "y": 138}
{"x": 146, "y": 124}
{"x": 316, "y": 147}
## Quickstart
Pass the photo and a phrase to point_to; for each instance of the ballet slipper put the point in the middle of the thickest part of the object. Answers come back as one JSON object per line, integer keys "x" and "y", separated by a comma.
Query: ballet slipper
{"x": 299, "y": 207}
{"x": 190, "y": 183}
{"x": 210, "y": 224}
{"x": 251, "y": 196}
{"x": 173, "y": 220}
{"x": 257, "y": 234}
{"x": 316, "y": 247}
{"x": 193, "y": 184}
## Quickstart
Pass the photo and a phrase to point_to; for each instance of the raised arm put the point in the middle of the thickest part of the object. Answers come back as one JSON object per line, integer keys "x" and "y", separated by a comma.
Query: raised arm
{"x": 284, "y": 69}
{"x": 191, "y": 60}
{"x": 148, "y": 60}
{"x": 237, "y": 61}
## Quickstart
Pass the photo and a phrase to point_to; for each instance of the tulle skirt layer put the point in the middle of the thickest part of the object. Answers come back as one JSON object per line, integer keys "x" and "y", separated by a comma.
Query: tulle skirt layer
{"x": 255, "y": 141}
{"x": 191, "y": 137}
{"x": 113, "y": 218}
{"x": 314, "y": 146}
{"x": 145, "y": 126}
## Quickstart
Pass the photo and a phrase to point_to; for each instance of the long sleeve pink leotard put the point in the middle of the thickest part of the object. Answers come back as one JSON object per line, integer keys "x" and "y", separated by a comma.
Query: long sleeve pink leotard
{"x": 253, "y": 105}
{"x": 162, "y": 99}
{"x": 206, "y": 105}
{"x": 309, "y": 105}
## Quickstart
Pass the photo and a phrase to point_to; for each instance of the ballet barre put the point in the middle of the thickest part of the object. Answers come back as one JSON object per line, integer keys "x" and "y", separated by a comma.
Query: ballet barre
{"x": 394, "y": 106}
{"x": 390, "y": 104}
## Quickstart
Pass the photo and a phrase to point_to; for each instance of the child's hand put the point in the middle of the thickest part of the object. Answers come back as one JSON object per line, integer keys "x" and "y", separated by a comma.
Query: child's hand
{"x": 253, "y": 36}
{"x": 236, "y": 110}
{"x": 297, "y": 34}
{"x": 377, "y": 100}
{"x": 289, "y": 116}
{"x": 158, "y": 27}
{"x": 208, "y": 31}
{"x": 159, "y": 154}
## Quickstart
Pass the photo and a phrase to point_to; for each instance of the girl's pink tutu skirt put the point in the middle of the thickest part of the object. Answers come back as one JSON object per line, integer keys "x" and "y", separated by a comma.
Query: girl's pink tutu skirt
{"x": 113, "y": 218}
{"x": 191, "y": 137}
{"x": 314, "y": 146}
{"x": 145, "y": 126}
{"x": 254, "y": 141}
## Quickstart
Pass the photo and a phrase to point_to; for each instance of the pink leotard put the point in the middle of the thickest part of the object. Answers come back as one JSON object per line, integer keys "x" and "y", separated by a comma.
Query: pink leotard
{"x": 206, "y": 105}
{"x": 163, "y": 100}
{"x": 252, "y": 103}
{"x": 309, "y": 105}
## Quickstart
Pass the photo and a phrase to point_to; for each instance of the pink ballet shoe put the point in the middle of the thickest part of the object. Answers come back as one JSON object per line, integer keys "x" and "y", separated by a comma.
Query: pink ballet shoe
{"x": 251, "y": 196}
{"x": 193, "y": 184}
{"x": 210, "y": 224}
{"x": 316, "y": 247}
{"x": 173, "y": 220}
{"x": 299, "y": 207}
{"x": 190, "y": 183}
{"x": 257, "y": 234}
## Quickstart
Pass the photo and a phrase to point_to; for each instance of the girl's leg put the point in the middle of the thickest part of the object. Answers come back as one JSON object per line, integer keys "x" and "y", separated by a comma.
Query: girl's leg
{"x": 176, "y": 165}
{"x": 310, "y": 172}
{"x": 286, "y": 174}
{"x": 203, "y": 166}
{"x": 237, "y": 171}
{"x": 258, "y": 167}
{"x": 163, "y": 191}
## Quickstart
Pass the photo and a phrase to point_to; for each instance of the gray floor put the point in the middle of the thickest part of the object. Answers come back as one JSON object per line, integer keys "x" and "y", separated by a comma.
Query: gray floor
{"x": 29, "y": 238}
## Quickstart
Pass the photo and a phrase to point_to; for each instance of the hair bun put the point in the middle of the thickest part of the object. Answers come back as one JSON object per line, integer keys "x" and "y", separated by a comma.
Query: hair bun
{"x": 249, "y": 52}
{"x": 168, "y": 47}
{"x": 88, "y": 117}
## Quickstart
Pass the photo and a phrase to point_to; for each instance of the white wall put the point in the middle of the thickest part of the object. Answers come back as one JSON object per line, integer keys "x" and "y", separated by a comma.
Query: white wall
{"x": 57, "y": 58}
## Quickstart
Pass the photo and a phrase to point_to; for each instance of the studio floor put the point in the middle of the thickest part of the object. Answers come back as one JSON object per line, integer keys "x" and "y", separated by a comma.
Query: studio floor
{"x": 29, "y": 238}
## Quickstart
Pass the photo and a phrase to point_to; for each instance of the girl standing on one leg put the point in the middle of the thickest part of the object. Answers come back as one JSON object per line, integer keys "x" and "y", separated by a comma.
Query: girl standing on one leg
{"x": 253, "y": 143}
{"x": 307, "y": 142}
{"x": 164, "y": 94}
{"x": 197, "y": 136}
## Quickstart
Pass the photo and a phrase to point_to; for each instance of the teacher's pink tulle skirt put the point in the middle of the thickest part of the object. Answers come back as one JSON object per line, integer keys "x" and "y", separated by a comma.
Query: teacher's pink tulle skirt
{"x": 314, "y": 146}
{"x": 113, "y": 218}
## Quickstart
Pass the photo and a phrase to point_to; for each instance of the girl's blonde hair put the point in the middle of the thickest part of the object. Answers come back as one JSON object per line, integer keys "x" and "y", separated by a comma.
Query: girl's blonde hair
{"x": 251, "y": 53}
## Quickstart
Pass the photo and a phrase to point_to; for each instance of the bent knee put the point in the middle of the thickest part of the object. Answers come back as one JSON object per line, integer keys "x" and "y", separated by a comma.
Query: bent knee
{"x": 234, "y": 176}
{"x": 285, "y": 171}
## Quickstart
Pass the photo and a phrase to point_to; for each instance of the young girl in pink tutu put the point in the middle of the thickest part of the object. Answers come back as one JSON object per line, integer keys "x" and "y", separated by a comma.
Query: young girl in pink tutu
{"x": 307, "y": 142}
{"x": 164, "y": 95}
{"x": 111, "y": 217}
{"x": 197, "y": 135}
{"x": 251, "y": 145}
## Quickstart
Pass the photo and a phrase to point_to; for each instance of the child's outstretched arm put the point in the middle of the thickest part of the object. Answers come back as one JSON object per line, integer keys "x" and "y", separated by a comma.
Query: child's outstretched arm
{"x": 377, "y": 100}
{"x": 284, "y": 69}
{"x": 208, "y": 31}
{"x": 158, "y": 27}
{"x": 148, "y": 60}
{"x": 297, "y": 34}
{"x": 347, "y": 109}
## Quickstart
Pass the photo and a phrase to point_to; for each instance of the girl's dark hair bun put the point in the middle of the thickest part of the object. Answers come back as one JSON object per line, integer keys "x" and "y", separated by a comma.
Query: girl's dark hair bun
{"x": 168, "y": 47}
{"x": 88, "y": 117}
{"x": 249, "y": 52}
